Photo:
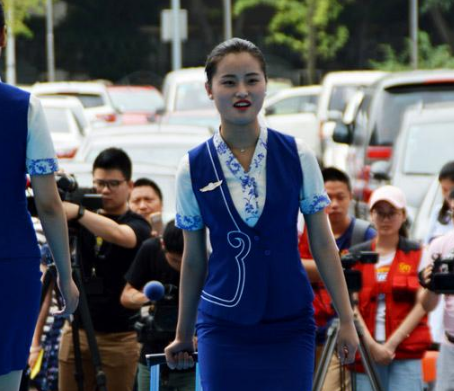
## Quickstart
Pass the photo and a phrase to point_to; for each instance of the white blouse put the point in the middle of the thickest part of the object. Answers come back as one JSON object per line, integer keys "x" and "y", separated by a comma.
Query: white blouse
{"x": 248, "y": 189}
{"x": 41, "y": 158}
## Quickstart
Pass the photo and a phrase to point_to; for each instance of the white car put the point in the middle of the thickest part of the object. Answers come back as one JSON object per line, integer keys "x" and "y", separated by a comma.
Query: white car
{"x": 94, "y": 97}
{"x": 66, "y": 129}
{"x": 184, "y": 90}
{"x": 337, "y": 89}
{"x": 292, "y": 111}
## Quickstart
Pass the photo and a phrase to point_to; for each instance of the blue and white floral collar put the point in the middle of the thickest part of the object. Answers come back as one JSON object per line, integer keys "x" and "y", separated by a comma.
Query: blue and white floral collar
{"x": 258, "y": 159}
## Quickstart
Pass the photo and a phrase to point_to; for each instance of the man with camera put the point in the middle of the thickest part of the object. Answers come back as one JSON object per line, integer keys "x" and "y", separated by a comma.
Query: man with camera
{"x": 160, "y": 260}
{"x": 108, "y": 242}
{"x": 441, "y": 252}
{"x": 347, "y": 231}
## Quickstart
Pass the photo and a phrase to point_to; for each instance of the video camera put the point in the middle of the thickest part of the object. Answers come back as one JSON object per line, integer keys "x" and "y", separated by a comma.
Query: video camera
{"x": 69, "y": 190}
{"x": 158, "y": 320}
{"x": 353, "y": 277}
{"x": 442, "y": 280}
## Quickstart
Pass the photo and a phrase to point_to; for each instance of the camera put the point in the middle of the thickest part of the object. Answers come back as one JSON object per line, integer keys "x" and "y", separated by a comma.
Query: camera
{"x": 158, "y": 320}
{"x": 442, "y": 280}
{"x": 353, "y": 277}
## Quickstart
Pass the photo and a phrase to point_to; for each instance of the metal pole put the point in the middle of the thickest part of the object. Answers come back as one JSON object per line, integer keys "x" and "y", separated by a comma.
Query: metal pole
{"x": 414, "y": 32}
{"x": 227, "y": 19}
{"x": 50, "y": 41}
{"x": 176, "y": 38}
{"x": 10, "y": 47}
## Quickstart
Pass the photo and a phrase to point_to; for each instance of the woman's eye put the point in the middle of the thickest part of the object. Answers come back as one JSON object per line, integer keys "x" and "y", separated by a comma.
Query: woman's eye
{"x": 228, "y": 83}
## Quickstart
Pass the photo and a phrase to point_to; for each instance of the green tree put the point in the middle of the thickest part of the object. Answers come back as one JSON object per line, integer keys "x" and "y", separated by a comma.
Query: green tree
{"x": 22, "y": 10}
{"x": 305, "y": 26}
{"x": 430, "y": 56}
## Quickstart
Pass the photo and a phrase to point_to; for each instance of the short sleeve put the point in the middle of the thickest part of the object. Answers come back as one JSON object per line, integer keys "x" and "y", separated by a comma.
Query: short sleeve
{"x": 188, "y": 216}
{"x": 313, "y": 197}
{"x": 41, "y": 158}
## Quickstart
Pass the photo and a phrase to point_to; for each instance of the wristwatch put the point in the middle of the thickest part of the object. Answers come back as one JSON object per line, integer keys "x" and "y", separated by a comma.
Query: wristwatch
{"x": 80, "y": 212}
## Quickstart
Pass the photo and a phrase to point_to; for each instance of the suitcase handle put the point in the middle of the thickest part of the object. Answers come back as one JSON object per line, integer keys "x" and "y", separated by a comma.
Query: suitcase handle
{"x": 160, "y": 358}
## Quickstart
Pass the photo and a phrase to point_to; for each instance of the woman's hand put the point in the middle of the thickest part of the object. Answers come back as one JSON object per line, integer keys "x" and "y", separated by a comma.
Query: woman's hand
{"x": 70, "y": 294}
{"x": 382, "y": 354}
{"x": 178, "y": 354}
{"x": 34, "y": 354}
{"x": 347, "y": 342}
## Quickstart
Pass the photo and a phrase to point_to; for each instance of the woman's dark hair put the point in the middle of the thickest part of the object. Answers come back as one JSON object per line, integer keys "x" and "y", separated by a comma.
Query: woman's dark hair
{"x": 2, "y": 15}
{"x": 233, "y": 45}
{"x": 173, "y": 238}
{"x": 446, "y": 172}
{"x": 114, "y": 159}
{"x": 142, "y": 182}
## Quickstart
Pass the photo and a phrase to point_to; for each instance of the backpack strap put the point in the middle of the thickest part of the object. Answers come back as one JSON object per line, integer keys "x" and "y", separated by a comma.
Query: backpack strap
{"x": 359, "y": 231}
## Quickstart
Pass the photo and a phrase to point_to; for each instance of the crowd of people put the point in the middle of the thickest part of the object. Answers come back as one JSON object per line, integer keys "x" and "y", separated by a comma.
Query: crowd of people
{"x": 247, "y": 305}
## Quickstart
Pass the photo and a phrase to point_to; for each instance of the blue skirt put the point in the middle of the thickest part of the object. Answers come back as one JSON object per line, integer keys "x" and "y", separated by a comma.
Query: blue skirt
{"x": 20, "y": 293}
{"x": 270, "y": 356}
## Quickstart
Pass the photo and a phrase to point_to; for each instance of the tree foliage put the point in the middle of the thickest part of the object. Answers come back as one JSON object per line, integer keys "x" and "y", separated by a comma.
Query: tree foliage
{"x": 444, "y": 5}
{"x": 22, "y": 10}
{"x": 430, "y": 56}
{"x": 296, "y": 23}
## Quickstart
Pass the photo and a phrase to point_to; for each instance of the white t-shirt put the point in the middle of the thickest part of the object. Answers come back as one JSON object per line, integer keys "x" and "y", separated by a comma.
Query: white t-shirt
{"x": 382, "y": 268}
{"x": 41, "y": 158}
{"x": 248, "y": 189}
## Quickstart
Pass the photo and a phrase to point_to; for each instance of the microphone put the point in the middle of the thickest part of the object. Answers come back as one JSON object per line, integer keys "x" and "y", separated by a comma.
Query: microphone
{"x": 154, "y": 290}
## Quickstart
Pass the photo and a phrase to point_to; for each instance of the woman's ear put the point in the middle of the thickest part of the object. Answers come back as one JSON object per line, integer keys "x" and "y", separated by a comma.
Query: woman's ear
{"x": 208, "y": 90}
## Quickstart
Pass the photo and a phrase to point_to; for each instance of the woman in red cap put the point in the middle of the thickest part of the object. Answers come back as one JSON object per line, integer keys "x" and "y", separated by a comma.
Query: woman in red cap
{"x": 389, "y": 304}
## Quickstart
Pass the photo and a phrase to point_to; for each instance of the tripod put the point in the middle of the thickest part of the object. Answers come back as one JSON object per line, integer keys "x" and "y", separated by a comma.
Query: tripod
{"x": 82, "y": 318}
{"x": 328, "y": 351}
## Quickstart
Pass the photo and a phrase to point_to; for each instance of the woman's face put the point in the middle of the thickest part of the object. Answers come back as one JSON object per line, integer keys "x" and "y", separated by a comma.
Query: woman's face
{"x": 238, "y": 89}
{"x": 387, "y": 219}
{"x": 446, "y": 186}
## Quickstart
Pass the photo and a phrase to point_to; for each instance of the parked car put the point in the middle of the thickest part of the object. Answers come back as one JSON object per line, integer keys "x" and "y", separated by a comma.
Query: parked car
{"x": 337, "y": 89}
{"x": 184, "y": 89}
{"x": 137, "y": 104}
{"x": 66, "y": 129}
{"x": 154, "y": 148}
{"x": 374, "y": 127}
{"x": 207, "y": 118}
{"x": 425, "y": 143}
{"x": 93, "y": 96}
{"x": 293, "y": 111}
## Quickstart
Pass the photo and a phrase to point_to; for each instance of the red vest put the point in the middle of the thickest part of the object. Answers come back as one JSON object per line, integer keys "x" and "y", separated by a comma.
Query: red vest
{"x": 400, "y": 288}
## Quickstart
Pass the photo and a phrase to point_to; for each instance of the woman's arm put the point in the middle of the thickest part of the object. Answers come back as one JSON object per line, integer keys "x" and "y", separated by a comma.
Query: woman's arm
{"x": 53, "y": 221}
{"x": 409, "y": 323}
{"x": 324, "y": 250}
{"x": 192, "y": 278}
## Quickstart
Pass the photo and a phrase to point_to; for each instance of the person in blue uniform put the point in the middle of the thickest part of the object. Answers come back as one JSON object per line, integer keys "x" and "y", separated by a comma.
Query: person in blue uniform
{"x": 251, "y": 302}
{"x": 25, "y": 145}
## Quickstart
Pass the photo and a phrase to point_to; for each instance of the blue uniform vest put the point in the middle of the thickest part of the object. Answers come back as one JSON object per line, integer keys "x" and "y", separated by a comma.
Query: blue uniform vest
{"x": 17, "y": 236}
{"x": 254, "y": 274}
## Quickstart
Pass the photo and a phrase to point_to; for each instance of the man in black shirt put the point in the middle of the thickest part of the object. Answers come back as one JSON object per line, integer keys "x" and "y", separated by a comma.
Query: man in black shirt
{"x": 109, "y": 241}
{"x": 160, "y": 260}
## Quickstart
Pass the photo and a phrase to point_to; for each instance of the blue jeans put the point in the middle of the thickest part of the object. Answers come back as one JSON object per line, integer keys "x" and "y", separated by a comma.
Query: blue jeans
{"x": 445, "y": 369}
{"x": 400, "y": 375}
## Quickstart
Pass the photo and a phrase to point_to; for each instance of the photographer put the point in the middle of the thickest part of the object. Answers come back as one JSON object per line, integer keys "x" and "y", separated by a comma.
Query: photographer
{"x": 160, "y": 260}
{"x": 108, "y": 243}
{"x": 347, "y": 231}
{"x": 390, "y": 309}
{"x": 443, "y": 246}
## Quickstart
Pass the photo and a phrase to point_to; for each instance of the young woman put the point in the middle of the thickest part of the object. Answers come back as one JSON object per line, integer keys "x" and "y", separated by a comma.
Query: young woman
{"x": 26, "y": 144}
{"x": 390, "y": 299}
{"x": 255, "y": 324}
{"x": 441, "y": 221}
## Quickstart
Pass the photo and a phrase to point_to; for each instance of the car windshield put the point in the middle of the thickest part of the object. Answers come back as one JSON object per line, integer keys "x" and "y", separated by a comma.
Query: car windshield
{"x": 58, "y": 120}
{"x": 428, "y": 147}
{"x": 87, "y": 100}
{"x": 161, "y": 155}
{"x": 397, "y": 100}
{"x": 137, "y": 100}
{"x": 192, "y": 96}
{"x": 340, "y": 95}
